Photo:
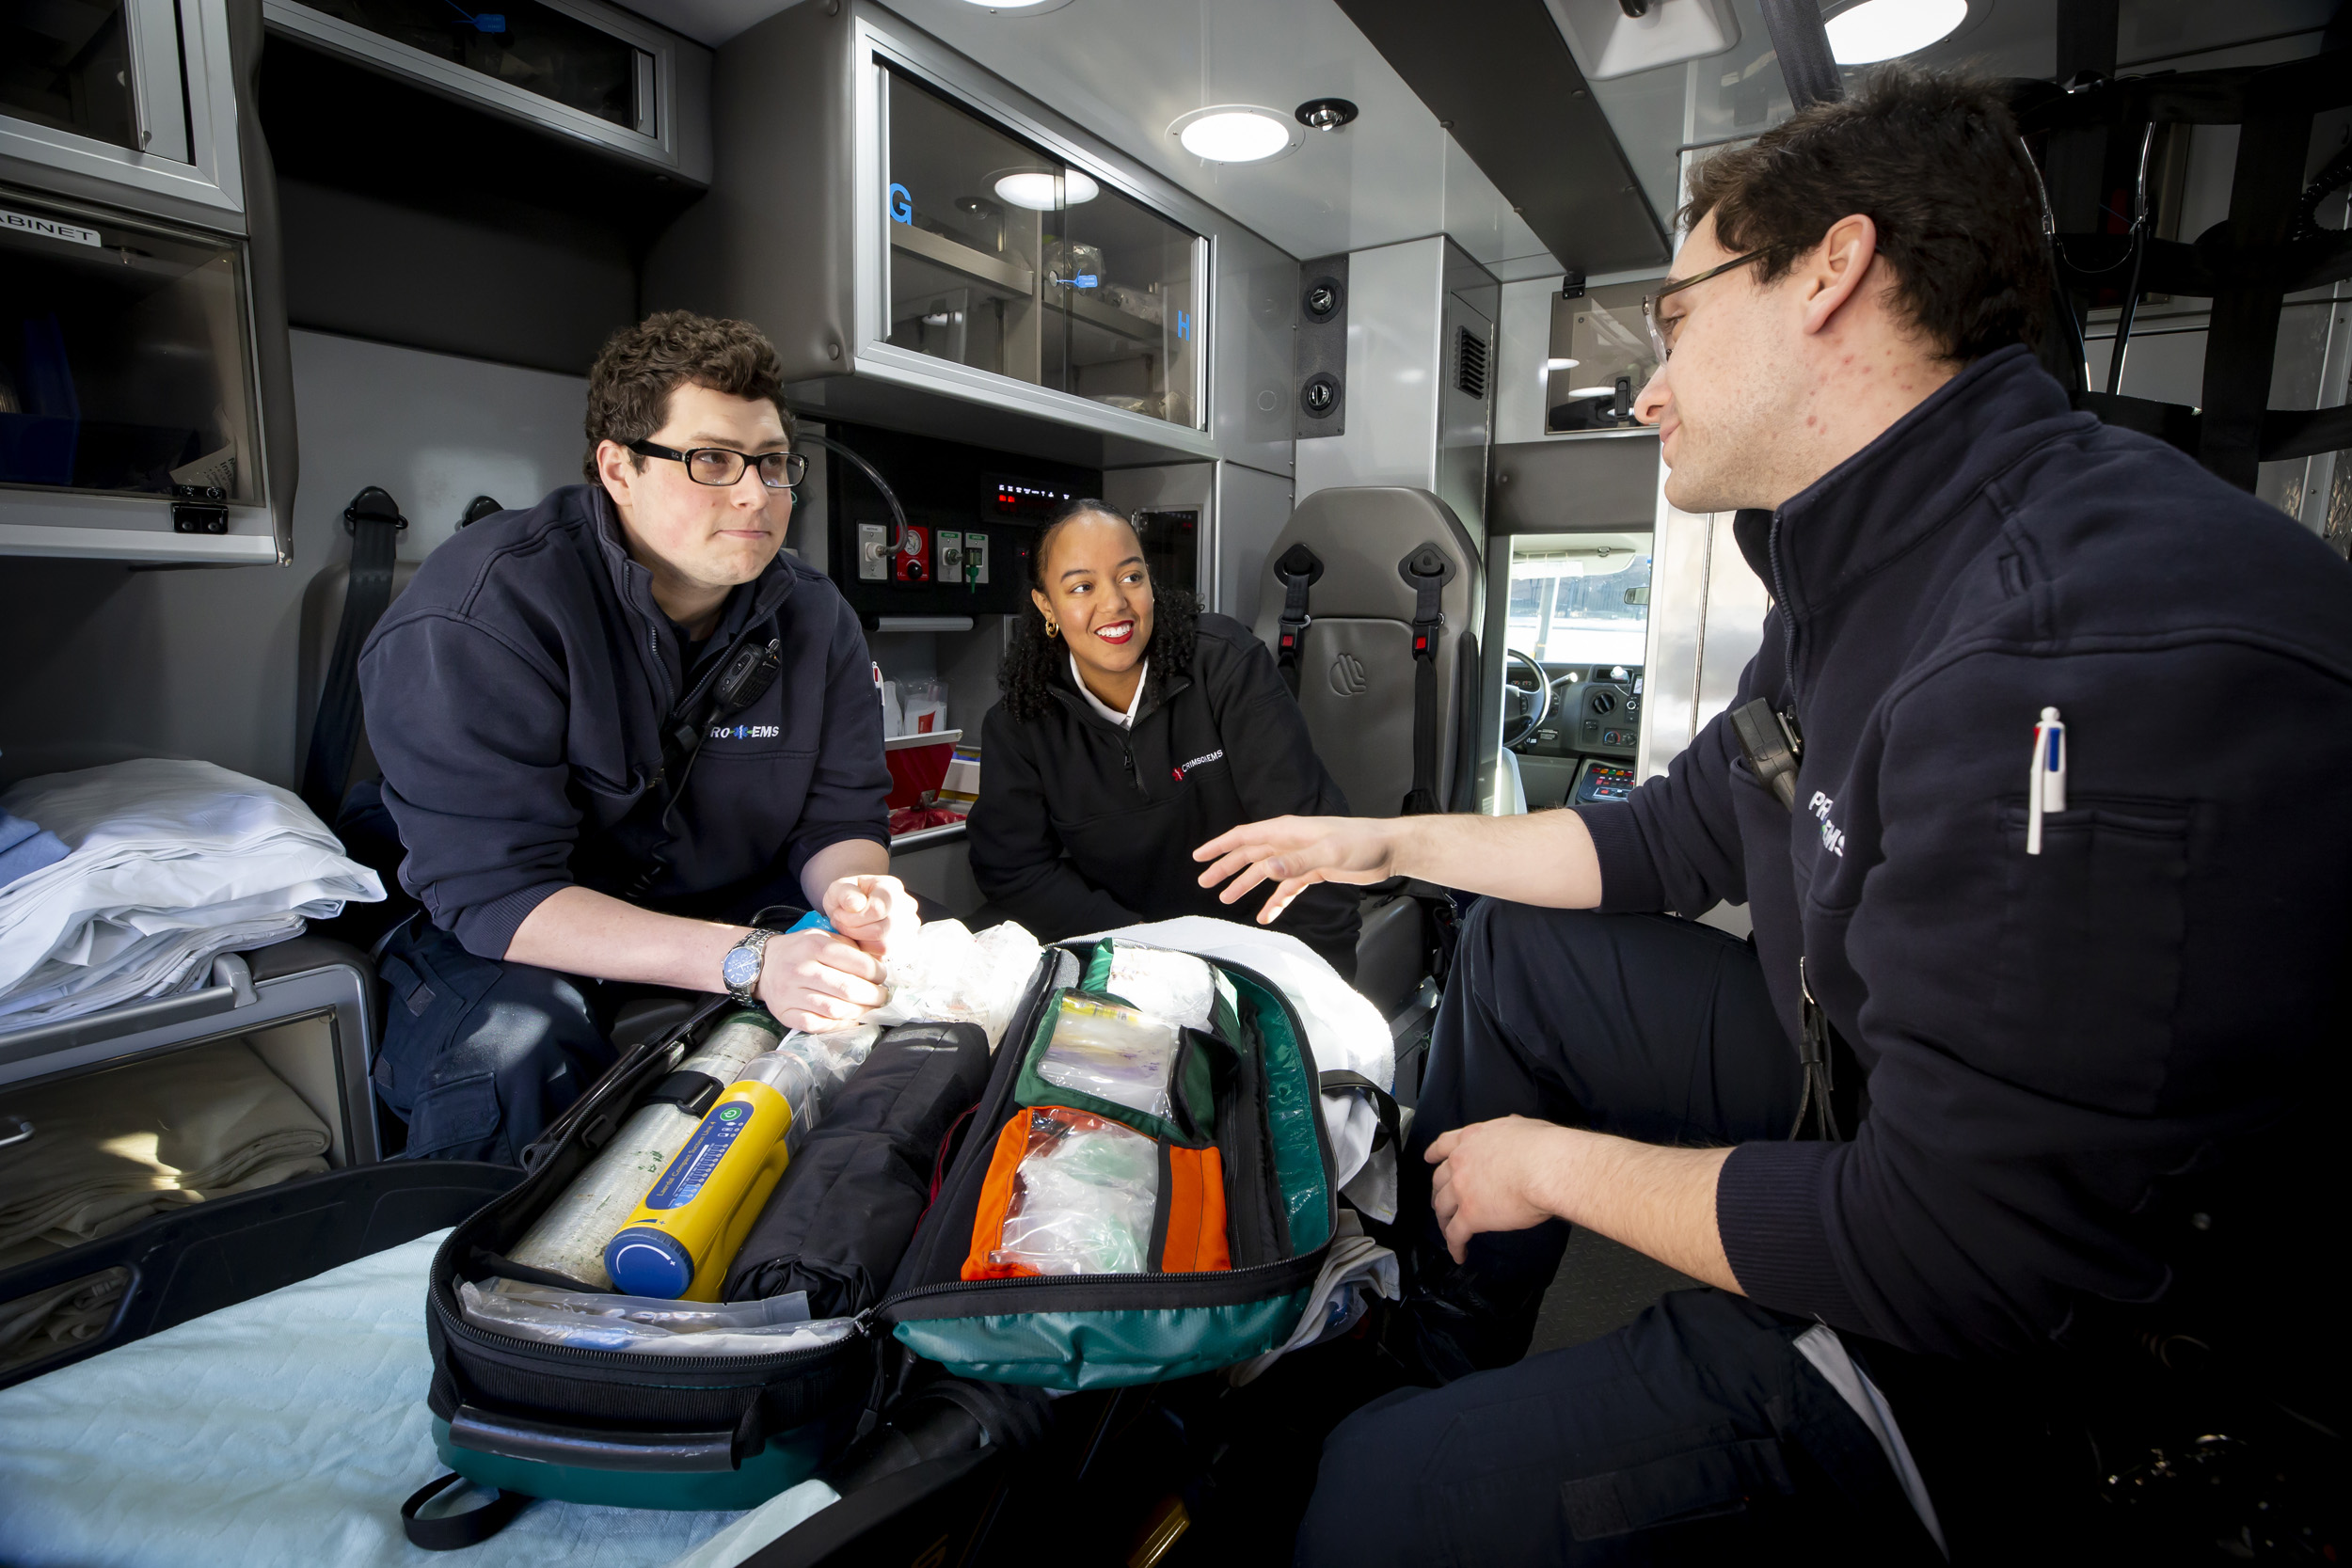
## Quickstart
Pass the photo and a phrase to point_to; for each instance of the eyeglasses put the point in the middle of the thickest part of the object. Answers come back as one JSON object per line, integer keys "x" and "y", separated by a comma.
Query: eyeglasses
{"x": 1661, "y": 333}
{"x": 778, "y": 470}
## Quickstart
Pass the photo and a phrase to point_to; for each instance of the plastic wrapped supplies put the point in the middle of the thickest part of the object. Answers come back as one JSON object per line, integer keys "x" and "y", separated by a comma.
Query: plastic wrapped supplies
{"x": 584, "y": 1321}
{"x": 1177, "y": 987}
{"x": 1082, "y": 1201}
{"x": 1111, "y": 1053}
{"x": 947, "y": 975}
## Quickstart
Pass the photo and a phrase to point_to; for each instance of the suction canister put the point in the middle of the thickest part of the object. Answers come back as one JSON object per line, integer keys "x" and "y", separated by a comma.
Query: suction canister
{"x": 569, "y": 1238}
{"x": 679, "y": 1242}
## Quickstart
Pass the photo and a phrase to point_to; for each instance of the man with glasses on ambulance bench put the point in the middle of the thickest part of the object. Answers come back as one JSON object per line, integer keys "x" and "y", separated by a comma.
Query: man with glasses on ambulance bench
{"x": 614, "y": 728}
{"x": 2034, "y": 793}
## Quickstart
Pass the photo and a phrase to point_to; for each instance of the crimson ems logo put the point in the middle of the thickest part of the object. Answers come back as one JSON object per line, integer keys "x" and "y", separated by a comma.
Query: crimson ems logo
{"x": 1347, "y": 675}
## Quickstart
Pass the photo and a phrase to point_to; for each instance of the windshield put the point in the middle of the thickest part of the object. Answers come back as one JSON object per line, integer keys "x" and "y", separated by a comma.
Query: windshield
{"x": 1580, "y": 600}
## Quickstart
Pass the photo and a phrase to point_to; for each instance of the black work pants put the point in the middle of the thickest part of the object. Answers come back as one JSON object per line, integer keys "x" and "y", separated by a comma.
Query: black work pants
{"x": 1697, "y": 1434}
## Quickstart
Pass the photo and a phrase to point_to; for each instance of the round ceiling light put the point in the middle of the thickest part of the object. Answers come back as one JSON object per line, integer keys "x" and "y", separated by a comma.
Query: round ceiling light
{"x": 1019, "y": 7}
{"x": 1884, "y": 29}
{"x": 1042, "y": 192}
{"x": 1237, "y": 133}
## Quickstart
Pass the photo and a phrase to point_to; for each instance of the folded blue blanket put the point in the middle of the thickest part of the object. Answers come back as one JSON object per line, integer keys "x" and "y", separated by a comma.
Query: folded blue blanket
{"x": 27, "y": 847}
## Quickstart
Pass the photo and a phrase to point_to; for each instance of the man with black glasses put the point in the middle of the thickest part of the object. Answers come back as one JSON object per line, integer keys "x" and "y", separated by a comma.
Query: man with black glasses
{"x": 2029, "y": 1086}
{"x": 614, "y": 728}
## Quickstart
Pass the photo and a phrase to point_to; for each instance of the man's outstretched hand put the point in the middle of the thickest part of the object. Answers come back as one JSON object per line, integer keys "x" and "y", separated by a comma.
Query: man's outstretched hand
{"x": 1295, "y": 853}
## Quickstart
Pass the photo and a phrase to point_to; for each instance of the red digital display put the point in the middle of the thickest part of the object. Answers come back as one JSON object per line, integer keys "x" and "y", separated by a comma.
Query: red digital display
{"x": 1009, "y": 497}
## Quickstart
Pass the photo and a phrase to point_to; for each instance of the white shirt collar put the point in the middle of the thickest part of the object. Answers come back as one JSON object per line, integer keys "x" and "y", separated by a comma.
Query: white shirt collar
{"x": 1124, "y": 720}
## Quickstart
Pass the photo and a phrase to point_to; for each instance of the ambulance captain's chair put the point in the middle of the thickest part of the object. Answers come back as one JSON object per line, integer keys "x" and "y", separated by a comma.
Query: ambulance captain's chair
{"x": 1369, "y": 600}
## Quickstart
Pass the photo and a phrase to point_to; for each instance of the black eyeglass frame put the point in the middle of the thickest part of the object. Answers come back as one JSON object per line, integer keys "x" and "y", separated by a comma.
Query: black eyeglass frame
{"x": 1650, "y": 302}
{"x": 794, "y": 466}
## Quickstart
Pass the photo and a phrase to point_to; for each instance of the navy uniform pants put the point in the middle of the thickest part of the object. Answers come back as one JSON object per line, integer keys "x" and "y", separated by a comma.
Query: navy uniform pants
{"x": 1697, "y": 1434}
{"x": 478, "y": 1054}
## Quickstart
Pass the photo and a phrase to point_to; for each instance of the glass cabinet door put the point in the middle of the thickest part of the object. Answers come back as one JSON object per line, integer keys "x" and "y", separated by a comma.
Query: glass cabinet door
{"x": 1007, "y": 260}
{"x": 535, "y": 47}
{"x": 67, "y": 64}
{"x": 123, "y": 354}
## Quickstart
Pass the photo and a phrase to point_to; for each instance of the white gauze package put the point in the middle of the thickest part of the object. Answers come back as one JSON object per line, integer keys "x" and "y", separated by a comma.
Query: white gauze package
{"x": 947, "y": 975}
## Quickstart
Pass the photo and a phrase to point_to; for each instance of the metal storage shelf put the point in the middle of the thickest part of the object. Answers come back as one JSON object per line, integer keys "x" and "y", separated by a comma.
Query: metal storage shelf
{"x": 251, "y": 992}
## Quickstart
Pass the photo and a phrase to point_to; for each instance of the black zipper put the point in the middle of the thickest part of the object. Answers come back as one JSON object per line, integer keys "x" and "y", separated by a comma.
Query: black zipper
{"x": 1787, "y": 616}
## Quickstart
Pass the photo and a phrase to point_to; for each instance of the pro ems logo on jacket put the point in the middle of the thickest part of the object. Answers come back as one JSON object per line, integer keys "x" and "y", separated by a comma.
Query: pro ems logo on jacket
{"x": 1832, "y": 836}
{"x": 1181, "y": 770}
{"x": 746, "y": 732}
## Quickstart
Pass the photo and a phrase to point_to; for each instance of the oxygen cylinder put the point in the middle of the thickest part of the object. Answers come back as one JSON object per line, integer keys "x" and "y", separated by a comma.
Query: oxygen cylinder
{"x": 569, "y": 1238}
{"x": 682, "y": 1237}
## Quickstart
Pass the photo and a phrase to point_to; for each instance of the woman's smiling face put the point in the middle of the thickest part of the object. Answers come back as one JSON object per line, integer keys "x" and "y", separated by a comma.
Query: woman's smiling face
{"x": 1098, "y": 591}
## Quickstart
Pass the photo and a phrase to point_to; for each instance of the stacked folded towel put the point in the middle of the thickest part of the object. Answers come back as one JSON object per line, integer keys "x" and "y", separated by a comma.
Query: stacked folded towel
{"x": 110, "y": 1150}
{"x": 36, "y": 1327}
{"x": 172, "y": 864}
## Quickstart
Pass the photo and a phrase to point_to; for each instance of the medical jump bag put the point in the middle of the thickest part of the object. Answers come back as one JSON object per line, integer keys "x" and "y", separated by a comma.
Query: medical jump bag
{"x": 537, "y": 1419}
{"x": 1226, "y": 1247}
{"x": 1207, "y": 1203}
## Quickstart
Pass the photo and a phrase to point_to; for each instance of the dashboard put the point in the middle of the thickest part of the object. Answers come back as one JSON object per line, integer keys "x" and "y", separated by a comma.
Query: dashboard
{"x": 1586, "y": 744}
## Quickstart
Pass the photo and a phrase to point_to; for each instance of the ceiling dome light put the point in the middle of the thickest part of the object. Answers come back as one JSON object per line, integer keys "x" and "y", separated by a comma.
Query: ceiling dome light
{"x": 1019, "y": 7}
{"x": 1237, "y": 133}
{"x": 1037, "y": 190}
{"x": 1884, "y": 29}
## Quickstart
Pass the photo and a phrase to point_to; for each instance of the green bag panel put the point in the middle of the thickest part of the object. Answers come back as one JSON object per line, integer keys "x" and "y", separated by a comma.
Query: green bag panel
{"x": 1097, "y": 974}
{"x": 788, "y": 1459}
{"x": 1291, "y": 1114}
{"x": 1104, "y": 1350}
{"x": 1193, "y": 1081}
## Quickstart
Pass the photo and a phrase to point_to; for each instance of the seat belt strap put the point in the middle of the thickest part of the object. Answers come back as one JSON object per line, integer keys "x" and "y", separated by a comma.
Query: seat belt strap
{"x": 1427, "y": 570}
{"x": 1297, "y": 571}
{"x": 373, "y": 521}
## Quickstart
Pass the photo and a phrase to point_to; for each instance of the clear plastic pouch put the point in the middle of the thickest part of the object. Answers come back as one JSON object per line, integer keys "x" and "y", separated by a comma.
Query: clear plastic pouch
{"x": 1112, "y": 1053}
{"x": 1083, "y": 1198}
{"x": 644, "y": 1325}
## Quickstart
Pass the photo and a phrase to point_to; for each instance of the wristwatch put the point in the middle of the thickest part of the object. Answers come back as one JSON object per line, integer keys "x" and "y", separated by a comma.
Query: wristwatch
{"x": 740, "y": 969}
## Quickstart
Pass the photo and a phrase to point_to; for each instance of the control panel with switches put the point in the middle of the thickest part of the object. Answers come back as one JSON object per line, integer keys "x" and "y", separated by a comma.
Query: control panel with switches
{"x": 1595, "y": 710}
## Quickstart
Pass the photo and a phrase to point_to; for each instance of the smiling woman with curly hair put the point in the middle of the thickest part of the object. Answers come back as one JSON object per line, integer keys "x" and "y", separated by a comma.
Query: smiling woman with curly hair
{"x": 1134, "y": 728}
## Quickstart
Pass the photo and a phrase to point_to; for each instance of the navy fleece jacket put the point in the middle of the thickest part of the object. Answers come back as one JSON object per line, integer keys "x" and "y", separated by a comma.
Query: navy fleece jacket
{"x": 514, "y": 696}
{"x": 2056, "y": 1047}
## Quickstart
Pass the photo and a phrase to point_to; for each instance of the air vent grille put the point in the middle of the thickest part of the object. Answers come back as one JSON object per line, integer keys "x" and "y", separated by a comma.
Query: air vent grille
{"x": 1470, "y": 362}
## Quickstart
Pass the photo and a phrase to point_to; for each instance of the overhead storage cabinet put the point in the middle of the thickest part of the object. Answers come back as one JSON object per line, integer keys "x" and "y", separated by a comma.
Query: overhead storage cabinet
{"x": 899, "y": 221}
{"x": 590, "y": 71}
{"x": 146, "y": 395}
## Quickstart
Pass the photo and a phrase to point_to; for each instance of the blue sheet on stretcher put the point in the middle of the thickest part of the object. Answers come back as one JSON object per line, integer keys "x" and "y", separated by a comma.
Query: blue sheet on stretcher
{"x": 284, "y": 1431}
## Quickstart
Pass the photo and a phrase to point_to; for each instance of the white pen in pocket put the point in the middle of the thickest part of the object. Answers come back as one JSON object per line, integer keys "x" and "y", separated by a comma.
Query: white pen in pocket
{"x": 2046, "y": 784}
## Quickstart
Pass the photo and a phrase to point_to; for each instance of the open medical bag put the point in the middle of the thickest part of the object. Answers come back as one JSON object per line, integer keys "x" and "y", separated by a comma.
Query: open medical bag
{"x": 1208, "y": 1152}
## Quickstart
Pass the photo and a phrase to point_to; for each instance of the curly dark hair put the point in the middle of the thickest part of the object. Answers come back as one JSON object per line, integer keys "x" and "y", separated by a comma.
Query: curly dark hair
{"x": 640, "y": 366}
{"x": 1932, "y": 158}
{"x": 1027, "y": 673}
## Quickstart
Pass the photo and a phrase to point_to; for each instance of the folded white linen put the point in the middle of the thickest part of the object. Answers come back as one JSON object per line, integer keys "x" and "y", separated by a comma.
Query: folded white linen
{"x": 110, "y": 1150}
{"x": 172, "y": 863}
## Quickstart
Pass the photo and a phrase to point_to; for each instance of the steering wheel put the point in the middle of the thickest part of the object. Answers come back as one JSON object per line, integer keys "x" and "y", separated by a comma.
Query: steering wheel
{"x": 1523, "y": 711}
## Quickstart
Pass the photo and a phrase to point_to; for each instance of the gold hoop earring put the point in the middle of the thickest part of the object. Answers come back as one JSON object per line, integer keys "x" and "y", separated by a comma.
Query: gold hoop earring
{"x": 1053, "y": 629}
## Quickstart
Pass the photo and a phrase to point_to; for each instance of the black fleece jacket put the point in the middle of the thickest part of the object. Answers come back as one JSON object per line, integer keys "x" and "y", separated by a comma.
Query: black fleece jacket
{"x": 1082, "y": 825}
{"x": 2084, "y": 1067}
{"x": 515, "y": 698}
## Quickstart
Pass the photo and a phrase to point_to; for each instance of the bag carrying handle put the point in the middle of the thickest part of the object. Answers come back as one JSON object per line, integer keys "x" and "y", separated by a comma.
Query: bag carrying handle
{"x": 448, "y": 1532}
{"x": 1383, "y": 1102}
{"x": 639, "y": 1452}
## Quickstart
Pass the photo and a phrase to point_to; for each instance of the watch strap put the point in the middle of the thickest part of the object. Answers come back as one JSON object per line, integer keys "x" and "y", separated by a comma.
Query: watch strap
{"x": 755, "y": 943}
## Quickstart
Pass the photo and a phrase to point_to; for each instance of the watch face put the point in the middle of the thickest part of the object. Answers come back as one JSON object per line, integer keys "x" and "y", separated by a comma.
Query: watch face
{"x": 741, "y": 968}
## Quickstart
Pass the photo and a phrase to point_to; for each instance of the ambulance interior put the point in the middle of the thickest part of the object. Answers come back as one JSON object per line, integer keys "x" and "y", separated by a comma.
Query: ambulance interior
{"x": 1339, "y": 282}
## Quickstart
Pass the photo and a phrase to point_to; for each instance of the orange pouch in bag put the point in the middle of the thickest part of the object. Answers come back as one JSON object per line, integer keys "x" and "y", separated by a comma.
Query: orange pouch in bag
{"x": 1158, "y": 1208}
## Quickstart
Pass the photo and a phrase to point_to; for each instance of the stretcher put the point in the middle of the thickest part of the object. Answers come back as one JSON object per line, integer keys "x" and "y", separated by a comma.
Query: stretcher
{"x": 283, "y": 1431}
